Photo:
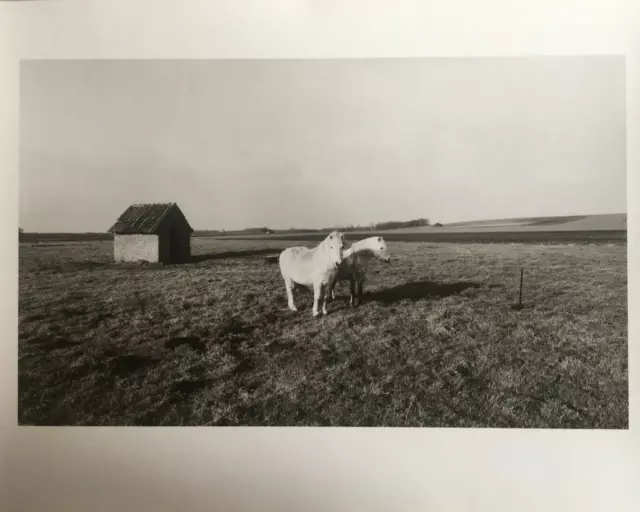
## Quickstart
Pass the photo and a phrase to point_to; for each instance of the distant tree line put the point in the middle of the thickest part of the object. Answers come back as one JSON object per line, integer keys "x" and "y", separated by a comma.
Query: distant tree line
{"x": 371, "y": 227}
{"x": 393, "y": 224}
{"x": 415, "y": 223}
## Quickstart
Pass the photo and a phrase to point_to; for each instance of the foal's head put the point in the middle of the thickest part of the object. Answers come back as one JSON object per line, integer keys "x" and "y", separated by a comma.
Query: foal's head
{"x": 335, "y": 244}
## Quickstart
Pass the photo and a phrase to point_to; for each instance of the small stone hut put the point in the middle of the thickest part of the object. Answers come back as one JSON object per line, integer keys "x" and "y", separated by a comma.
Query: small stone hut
{"x": 157, "y": 232}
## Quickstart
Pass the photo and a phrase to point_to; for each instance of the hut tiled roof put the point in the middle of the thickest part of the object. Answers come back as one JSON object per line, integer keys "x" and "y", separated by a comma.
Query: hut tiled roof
{"x": 143, "y": 219}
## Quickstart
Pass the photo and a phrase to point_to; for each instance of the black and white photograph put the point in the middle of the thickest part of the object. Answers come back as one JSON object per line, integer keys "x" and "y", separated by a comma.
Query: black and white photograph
{"x": 355, "y": 242}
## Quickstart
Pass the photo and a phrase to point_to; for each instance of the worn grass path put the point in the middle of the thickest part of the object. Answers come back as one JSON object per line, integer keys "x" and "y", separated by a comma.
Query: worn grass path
{"x": 435, "y": 344}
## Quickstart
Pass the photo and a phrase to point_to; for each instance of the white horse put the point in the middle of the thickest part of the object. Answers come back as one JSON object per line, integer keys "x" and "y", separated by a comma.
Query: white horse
{"x": 355, "y": 263}
{"x": 315, "y": 268}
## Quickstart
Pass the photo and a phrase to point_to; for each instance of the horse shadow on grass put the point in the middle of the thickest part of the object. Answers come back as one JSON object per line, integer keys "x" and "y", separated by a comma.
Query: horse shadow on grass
{"x": 196, "y": 258}
{"x": 418, "y": 290}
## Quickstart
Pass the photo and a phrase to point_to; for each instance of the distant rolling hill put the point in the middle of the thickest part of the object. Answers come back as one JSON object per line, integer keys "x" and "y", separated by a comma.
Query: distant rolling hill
{"x": 605, "y": 228}
{"x": 604, "y": 222}
{"x": 581, "y": 223}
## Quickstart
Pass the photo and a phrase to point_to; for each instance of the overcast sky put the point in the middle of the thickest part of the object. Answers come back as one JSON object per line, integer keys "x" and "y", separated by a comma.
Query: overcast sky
{"x": 321, "y": 142}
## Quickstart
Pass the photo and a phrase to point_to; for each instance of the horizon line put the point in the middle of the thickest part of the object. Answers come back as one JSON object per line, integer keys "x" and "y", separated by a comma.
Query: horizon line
{"x": 356, "y": 227}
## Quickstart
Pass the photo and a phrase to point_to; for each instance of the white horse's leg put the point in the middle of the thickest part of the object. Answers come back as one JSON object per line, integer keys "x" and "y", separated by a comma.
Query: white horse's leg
{"x": 317, "y": 294}
{"x": 325, "y": 296}
{"x": 289, "y": 285}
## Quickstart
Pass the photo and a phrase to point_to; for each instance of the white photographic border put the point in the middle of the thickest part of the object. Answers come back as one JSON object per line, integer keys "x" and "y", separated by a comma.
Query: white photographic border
{"x": 75, "y": 468}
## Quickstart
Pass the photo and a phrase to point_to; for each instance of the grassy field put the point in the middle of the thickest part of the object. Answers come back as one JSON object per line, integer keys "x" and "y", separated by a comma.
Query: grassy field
{"x": 436, "y": 342}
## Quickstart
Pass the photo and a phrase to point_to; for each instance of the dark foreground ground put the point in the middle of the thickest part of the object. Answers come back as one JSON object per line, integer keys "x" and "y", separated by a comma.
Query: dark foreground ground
{"x": 435, "y": 344}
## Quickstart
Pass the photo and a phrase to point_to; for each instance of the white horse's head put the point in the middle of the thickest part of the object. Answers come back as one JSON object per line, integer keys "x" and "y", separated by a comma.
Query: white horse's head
{"x": 378, "y": 247}
{"x": 335, "y": 245}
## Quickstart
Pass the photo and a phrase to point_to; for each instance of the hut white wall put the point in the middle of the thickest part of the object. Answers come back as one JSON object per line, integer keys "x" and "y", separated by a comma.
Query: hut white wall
{"x": 136, "y": 248}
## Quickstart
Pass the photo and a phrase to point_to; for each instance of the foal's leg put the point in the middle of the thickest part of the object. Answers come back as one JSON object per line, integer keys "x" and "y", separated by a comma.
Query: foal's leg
{"x": 352, "y": 290}
{"x": 289, "y": 285}
{"x": 360, "y": 292}
{"x": 331, "y": 294}
{"x": 332, "y": 288}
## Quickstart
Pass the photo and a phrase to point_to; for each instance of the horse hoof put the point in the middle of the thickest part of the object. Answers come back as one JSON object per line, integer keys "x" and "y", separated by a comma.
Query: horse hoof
{"x": 293, "y": 308}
